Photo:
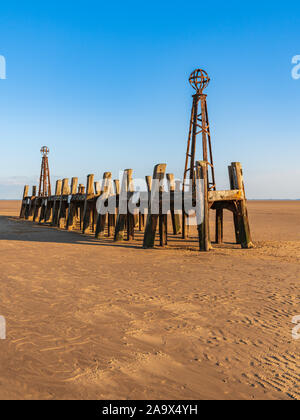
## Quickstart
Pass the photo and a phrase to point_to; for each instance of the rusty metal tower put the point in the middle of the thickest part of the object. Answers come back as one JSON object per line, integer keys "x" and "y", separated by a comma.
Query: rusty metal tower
{"x": 199, "y": 124}
{"x": 45, "y": 184}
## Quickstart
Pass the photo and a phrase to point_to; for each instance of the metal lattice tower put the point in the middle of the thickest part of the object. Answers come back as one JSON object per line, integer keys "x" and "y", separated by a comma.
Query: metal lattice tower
{"x": 199, "y": 124}
{"x": 45, "y": 184}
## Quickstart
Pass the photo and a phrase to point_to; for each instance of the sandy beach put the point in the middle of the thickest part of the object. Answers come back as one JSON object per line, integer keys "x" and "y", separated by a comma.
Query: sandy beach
{"x": 90, "y": 319}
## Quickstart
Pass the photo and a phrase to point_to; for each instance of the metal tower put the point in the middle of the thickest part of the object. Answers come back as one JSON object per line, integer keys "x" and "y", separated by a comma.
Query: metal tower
{"x": 199, "y": 124}
{"x": 45, "y": 185}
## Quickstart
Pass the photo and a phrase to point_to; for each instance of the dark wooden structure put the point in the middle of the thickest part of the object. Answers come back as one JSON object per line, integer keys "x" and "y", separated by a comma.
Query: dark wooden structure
{"x": 77, "y": 207}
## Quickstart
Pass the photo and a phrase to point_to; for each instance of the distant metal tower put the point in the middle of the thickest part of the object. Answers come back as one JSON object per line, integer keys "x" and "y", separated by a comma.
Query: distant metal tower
{"x": 199, "y": 124}
{"x": 45, "y": 185}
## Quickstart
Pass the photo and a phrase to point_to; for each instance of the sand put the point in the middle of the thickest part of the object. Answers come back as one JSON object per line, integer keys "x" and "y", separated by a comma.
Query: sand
{"x": 90, "y": 319}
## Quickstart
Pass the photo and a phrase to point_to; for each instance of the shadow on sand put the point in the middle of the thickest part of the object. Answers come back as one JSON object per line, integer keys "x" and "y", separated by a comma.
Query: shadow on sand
{"x": 15, "y": 229}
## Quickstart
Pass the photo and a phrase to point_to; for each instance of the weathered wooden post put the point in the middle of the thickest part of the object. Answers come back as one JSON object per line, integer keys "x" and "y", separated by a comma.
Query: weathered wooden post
{"x": 219, "y": 225}
{"x": 128, "y": 218}
{"x": 64, "y": 204}
{"x": 154, "y": 212}
{"x": 87, "y": 213}
{"x": 243, "y": 220}
{"x": 24, "y": 201}
{"x": 72, "y": 210}
{"x": 175, "y": 216}
{"x": 97, "y": 187}
{"x": 56, "y": 202}
{"x": 202, "y": 197}
{"x": 131, "y": 218}
{"x": 105, "y": 190}
{"x": 112, "y": 218}
{"x": 33, "y": 204}
{"x": 233, "y": 186}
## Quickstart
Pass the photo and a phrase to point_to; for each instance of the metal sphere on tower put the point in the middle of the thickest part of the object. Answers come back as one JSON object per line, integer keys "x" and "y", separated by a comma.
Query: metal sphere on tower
{"x": 199, "y": 80}
{"x": 45, "y": 151}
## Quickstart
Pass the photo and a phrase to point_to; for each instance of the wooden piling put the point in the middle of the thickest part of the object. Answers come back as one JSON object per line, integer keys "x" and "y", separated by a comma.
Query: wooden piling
{"x": 233, "y": 186}
{"x": 243, "y": 219}
{"x": 56, "y": 202}
{"x": 175, "y": 216}
{"x": 219, "y": 225}
{"x": 152, "y": 219}
{"x": 125, "y": 219}
{"x": 24, "y": 200}
{"x": 87, "y": 213}
{"x": 102, "y": 218}
{"x": 203, "y": 226}
{"x": 71, "y": 216}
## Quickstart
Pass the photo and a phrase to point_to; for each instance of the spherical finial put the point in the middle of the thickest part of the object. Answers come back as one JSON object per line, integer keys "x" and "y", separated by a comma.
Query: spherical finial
{"x": 45, "y": 151}
{"x": 199, "y": 80}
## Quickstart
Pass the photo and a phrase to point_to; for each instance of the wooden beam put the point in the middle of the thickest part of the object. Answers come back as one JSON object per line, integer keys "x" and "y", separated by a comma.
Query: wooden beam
{"x": 227, "y": 195}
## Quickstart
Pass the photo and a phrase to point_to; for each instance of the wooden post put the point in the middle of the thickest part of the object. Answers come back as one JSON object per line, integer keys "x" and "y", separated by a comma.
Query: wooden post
{"x": 74, "y": 184}
{"x": 175, "y": 216}
{"x": 101, "y": 218}
{"x": 234, "y": 186}
{"x": 152, "y": 219}
{"x": 219, "y": 226}
{"x": 62, "y": 214}
{"x": 58, "y": 190}
{"x": 112, "y": 217}
{"x": 33, "y": 205}
{"x": 203, "y": 226}
{"x": 243, "y": 220}
{"x": 71, "y": 218}
{"x": 117, "y": 186}
{"x": 131, "y": 218}
{"x": 23, "y": 206}
{"x": 97, "y": 187}
{"x": 87, "y": 214}
{"x": 65, "y": 187}
{"x": 123, "y": 218}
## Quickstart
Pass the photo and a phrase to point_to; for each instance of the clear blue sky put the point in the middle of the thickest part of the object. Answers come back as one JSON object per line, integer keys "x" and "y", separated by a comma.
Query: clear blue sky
{"x": 105, "y": 86}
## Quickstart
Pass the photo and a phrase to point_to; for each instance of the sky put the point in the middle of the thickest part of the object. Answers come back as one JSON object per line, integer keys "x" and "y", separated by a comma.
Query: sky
{"x": 105, "y": 86}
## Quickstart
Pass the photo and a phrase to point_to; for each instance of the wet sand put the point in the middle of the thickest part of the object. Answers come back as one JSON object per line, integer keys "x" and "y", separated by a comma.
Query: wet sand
{"x": 91, "y": 319}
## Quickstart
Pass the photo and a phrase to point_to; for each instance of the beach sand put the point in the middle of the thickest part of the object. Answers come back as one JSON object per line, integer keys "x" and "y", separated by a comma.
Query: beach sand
{"x": 90, "y": 319}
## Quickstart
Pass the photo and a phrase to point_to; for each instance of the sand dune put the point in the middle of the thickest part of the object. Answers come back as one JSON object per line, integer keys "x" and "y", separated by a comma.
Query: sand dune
{"x": 90, "y": 319}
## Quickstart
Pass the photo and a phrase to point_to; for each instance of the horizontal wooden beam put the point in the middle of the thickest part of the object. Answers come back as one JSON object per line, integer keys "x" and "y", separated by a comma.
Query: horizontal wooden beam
{"x": 226, "y": 195}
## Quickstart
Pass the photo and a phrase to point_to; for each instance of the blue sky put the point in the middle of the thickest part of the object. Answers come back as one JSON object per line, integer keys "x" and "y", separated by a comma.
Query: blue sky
{"x": 105, "y": 86}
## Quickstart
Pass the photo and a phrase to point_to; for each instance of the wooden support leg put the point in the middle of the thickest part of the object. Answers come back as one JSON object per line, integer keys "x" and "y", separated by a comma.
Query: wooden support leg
{"x": 233, "y": 186}
{"x": 150, "y": 231}
{"x": 141, "y": 221}
{"x": 203, "y": 227}
{"x": 101, "y": 223}
{"x": 37, "y": 210}
{"x": 174, "y": 216}
{"x": 49, "y": 213}
{"x": 70, "y": 218}
{"x": 219, "y": 226}
{"x": 163, "y": 230}
{"x": 131, "y": 219}
{"x": 120, "y": 227}
{"x": 41, "y": 218}
{"x": 87, "y": 210}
